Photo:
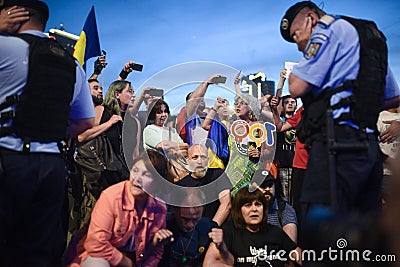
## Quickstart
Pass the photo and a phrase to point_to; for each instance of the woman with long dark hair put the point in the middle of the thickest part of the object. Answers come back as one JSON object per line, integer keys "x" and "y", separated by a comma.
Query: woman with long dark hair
{"x": 248, "y": 240}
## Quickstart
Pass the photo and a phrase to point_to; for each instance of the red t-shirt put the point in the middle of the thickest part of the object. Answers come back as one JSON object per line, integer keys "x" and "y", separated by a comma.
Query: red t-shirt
{"x": 301, "y": 155}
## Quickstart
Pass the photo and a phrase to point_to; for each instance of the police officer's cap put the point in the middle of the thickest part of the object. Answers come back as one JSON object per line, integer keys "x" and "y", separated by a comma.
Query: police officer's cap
{"x": 289, "y": 16}
{"x": 34, "y": 4}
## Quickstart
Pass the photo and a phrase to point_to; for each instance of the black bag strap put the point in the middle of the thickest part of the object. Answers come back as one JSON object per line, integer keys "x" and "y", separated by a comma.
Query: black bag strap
{"x": 10, "y": 100}
{"x": 281, "y": 208}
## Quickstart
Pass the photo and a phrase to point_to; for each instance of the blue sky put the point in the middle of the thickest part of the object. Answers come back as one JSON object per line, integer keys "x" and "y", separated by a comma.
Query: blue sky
{"x": 241, "y": 34}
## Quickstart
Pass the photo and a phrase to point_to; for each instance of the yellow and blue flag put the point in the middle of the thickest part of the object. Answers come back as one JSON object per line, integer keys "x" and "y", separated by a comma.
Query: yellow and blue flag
{"x": 88, "y": 44}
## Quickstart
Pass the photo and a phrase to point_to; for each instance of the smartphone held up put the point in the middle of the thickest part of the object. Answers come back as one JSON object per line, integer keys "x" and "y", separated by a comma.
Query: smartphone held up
{"x": 136, "y": 67}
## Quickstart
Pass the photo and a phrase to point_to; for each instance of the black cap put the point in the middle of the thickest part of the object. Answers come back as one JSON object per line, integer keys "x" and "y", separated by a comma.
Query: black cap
{"x": 290, "y": 14}
{"x": 34, "y": 4}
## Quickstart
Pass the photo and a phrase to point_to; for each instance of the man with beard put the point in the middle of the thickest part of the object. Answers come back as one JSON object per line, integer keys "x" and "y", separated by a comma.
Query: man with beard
{"x": 96, "y": 91}
{"x": 280, "y": 213}
{"x": 201, "y": 175}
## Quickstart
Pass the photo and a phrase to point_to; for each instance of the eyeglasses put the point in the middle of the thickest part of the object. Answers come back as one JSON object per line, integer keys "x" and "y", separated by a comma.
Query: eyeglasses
{"x": 240, "y": 102}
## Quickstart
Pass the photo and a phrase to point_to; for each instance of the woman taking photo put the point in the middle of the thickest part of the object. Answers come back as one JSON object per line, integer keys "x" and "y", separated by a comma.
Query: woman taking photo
{"x": 247, "y": 240}
{"x": 127, "y": 223}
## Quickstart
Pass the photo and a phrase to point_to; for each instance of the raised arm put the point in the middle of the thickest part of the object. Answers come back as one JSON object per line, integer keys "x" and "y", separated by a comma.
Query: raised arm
{"x": 126, "y": 70}
{"x": 280, "y": 125}
{"x": 224, "y": 207}
{"x": 198, "y": 95}
{"x": 99, "y": 65}
{"x": 134, "y": 107}
{"x": 217, "y": 253}
{"x": 213, "y": 113}
{"x": 236, "y": 83}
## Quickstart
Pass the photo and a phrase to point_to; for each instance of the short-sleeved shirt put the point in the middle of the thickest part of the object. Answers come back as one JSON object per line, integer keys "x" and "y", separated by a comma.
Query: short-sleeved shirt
{"x": 14, "y": 60}
{"x": 254, "y": 249}
{"x": 153, "y": 135}
{"x": 288, "y": 215}
{"x": 301, "y": 155}
{"x": 389, "y": 149}
{"x": 285, "y": 147}
{"x": 222, "y": 183}
{"x": 332, "y": 57}
{"x": 194, "y": 243}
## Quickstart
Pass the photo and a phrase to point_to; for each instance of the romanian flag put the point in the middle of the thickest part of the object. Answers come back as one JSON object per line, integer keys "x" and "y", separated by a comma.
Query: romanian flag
{"x": 88, "y": 44}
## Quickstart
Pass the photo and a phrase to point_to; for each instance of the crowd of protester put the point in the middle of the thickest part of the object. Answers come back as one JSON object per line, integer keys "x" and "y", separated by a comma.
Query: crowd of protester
{"x": 236, "y": 201}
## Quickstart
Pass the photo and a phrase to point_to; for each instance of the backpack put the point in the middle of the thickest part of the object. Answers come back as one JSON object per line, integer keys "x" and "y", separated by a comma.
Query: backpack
{"x": 99, "y": 164}
{"x": 42, "y": 110}
{"x": 368, "y": 89}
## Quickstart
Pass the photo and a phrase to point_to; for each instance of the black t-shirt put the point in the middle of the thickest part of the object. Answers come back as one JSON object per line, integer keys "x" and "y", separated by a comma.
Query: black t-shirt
{"x": 222, "y": 183}
{"x": 195, "y": 244}
{"x": 257, "y": 249}
{"x": 285, "y": 148}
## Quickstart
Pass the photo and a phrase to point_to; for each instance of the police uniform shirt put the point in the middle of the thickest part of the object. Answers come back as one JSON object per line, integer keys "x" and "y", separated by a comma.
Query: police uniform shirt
{"x": 14, "y": 54}
{"x": 331, "y": 57}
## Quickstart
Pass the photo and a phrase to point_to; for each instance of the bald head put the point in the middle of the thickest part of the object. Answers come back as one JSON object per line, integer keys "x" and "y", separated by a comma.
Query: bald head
{"x": 198, "y": 149}
{"x": 198, "y": 160}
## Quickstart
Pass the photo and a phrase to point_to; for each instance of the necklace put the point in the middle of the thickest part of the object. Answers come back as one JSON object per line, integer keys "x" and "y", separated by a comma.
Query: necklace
{"x": 184, "y": 249}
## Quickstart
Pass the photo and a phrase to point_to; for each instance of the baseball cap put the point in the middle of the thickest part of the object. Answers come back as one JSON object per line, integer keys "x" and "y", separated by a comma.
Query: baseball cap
{"x": 289, "y": 16}
{"x": 37, "y": 5}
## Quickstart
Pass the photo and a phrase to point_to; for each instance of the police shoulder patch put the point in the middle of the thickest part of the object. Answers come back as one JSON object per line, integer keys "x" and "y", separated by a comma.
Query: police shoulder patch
{"x": 312, "y": 50}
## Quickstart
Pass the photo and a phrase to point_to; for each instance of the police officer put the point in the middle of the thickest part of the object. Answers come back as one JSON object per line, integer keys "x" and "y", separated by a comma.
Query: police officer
{"x": 33, "y": 173}
{"x": 331, "y": 61}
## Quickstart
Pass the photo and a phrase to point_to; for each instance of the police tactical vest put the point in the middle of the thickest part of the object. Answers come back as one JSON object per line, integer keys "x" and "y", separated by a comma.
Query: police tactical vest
{"x": 42, "y": 109}
{"x": 368, "y": 89}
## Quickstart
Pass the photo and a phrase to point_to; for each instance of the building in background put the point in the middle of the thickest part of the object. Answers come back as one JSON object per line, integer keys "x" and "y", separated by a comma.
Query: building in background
{"x": 257, "y": 85}
{"x": 65, "y": 39}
